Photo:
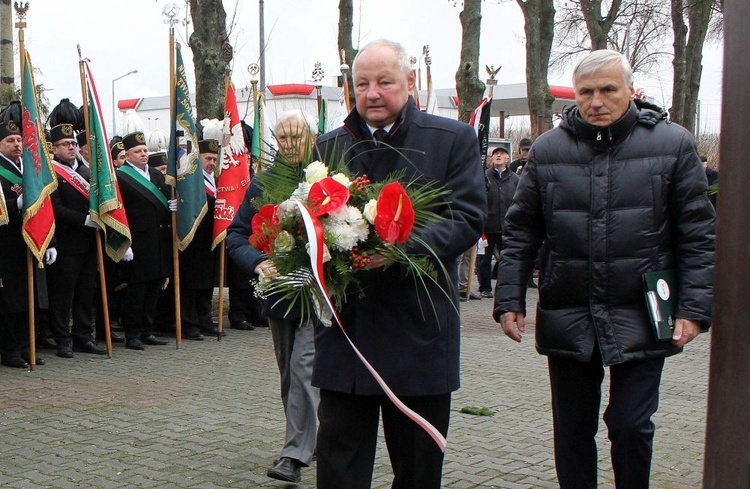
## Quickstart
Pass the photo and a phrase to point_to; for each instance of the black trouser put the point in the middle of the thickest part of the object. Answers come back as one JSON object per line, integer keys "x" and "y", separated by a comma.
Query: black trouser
{"x": 139, "y": 308}
{"x": 195, "y": 308}
{"x": 72, "y": 280}
{"x": 14, "y": 333}
{"x": 244, "y": 306}
{"x": 348, "y": 435}
{"x": 576, "y": 399}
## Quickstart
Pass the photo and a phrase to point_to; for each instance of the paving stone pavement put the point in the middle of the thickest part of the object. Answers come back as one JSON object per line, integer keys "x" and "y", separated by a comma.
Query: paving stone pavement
{"x": 209, "y": 416}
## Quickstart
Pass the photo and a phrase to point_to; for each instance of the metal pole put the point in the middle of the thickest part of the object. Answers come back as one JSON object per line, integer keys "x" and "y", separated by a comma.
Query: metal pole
{"x": 114, "y": 127}
{"x": 262, "y": 45}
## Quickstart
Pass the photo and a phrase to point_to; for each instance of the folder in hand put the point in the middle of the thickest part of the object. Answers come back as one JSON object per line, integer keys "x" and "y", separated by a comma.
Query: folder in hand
{"x": 661, "y": 299}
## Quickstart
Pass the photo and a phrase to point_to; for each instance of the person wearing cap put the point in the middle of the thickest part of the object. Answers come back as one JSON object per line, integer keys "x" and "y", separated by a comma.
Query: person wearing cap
{"x": 84, "y": 149}
{"x": 117, "y": 152}
{"x": 516, "y": 166}
{"x": 712, "y": 176}
{"x": 14, "y": 307}
{"x": 500, "y": 184}
{"x": 72, "y": 278}
{"x": 198, "y": 261}
{"x": 148, "y": 262}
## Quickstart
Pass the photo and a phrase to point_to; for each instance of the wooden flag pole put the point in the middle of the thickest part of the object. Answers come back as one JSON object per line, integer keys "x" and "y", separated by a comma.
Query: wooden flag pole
{"x": 175, "y": 238}
{"x": 344, "y": 70}
{"x": 99, "y": 251}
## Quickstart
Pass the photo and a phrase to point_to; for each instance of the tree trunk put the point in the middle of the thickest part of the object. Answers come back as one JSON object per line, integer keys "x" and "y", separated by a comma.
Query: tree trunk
{"x": 7, "y": 78}
{"x": 211, "y": 53}
{"x": 688, "y": 56}
{"x": 539, "y": 27}
{"x": 597, "y": 25}
{"x": 468, "y": 85}
{"x": 346, "y": 25}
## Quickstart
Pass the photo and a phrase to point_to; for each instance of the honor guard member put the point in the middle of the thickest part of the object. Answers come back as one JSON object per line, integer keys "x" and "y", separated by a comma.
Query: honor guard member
{"x": 149, "y": 261}
{"x": 14, "y": 307}
{"x": 198, "y": 262}
{"x": 72, "y": 279}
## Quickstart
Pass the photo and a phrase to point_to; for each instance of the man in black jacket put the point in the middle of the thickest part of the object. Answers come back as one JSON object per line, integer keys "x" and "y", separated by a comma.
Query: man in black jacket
{"x": 72, "y": 278}
{"x": 615, "y": 191}
{"x": 409, "y": 332}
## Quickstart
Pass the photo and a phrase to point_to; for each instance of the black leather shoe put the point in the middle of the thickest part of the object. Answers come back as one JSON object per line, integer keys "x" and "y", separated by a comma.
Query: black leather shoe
{"x": 64, "y": 351}
{"x": 213, "y": 331}
{"x": 46, "y": 344}
{"x": 115, "y": 336}
{"x": 134, "y": 344}
{"x": 243, "y": 326}
{"x": 15, "y": 361}
{"x": 90, "y": 347}
{"x": 286, "y": 469}
{"x": 193, "y": 334}
{"x": 153, "y": 340}
{"x": 37, "y": 361}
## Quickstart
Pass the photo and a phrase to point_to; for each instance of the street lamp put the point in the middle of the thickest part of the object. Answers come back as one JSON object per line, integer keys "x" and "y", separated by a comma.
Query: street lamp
{"x": 114, "y": 127}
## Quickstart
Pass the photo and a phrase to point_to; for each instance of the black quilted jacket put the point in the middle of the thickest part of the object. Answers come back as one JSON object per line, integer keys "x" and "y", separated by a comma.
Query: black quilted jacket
{"x": 610, "y": 204}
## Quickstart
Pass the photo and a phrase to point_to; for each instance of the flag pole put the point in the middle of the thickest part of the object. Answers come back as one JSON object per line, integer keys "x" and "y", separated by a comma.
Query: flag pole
{"x": 21, "y": 10}
{"x": 344, "y": 70}
{"x": 222, "y": 249}
{"x": 175, "y": 238}
{"x": 99, "y": 251}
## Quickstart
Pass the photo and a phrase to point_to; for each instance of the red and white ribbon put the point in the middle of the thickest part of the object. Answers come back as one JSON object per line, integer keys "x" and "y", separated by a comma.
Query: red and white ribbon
{"x": 315, "y": 237}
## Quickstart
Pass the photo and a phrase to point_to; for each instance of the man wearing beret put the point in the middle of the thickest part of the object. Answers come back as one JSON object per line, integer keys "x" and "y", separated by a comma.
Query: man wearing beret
{"x": 14, "y": 307}
{"x": 149, "y": 261}
{"x": 198, "y": 262}
{"x": 72, "y": 278}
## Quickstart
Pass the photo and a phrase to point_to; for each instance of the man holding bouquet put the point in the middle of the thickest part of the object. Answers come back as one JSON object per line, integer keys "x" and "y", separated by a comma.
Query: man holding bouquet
{"x": 409, "y": 330}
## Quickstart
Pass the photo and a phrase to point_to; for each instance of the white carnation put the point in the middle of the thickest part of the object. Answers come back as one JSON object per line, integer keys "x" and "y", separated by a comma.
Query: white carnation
{"x": 315, "y": 172}
{"x": 301, "y": 192}
{"x": 346, "y": 227}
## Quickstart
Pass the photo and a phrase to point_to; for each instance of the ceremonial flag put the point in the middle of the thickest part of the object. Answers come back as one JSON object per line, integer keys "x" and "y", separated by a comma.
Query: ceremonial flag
{"x": 185, "y": 172}
{"x": 234, "y": 176}
{"x": 262, "y": 148}
{"x": 322, "y": 116}
{"x": 38, "y": 175}
{"x": 3, "y": 211}
{"x": 105, "y": 201}
{"x": 432, "y": 102}
{"x": 480, "y": 119}
{"x": 338, "y": 116}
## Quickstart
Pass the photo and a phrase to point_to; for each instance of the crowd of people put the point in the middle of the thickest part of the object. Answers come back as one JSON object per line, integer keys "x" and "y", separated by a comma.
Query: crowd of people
{"x": 613, "y": 192}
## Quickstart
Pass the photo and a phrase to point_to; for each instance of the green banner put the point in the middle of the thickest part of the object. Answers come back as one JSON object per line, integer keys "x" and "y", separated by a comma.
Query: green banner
{"x": 184, "y": 169}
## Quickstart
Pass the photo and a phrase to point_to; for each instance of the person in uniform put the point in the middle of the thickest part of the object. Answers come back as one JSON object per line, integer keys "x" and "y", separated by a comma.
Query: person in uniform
{"x": 14, "y": 307}
{"x": 71, "y": 279}
{"x": 148, "y": 263}
{"x": 198, "y": 262}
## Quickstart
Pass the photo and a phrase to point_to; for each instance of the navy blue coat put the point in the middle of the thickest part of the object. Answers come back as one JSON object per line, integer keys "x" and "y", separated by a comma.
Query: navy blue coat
{"x": 409, "y": 332}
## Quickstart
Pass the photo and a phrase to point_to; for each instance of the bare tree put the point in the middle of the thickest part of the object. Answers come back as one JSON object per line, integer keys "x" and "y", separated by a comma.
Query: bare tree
{"x": 346, "y": 25}
{"x": 690, "y": 20}
{"x": 469, "y": 87}
{"x": 211, "y": 53}
{"x": 539, "y": 26}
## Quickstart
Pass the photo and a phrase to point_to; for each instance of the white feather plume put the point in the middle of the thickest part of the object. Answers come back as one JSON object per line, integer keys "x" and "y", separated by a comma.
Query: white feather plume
{"x": 213, "y": 129}
{"x": 131, "y": 122}
{"x": 157, "y": 140}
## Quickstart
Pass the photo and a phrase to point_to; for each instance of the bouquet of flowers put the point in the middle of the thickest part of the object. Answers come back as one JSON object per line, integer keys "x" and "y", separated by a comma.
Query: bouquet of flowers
{"x": 359, "y": 219}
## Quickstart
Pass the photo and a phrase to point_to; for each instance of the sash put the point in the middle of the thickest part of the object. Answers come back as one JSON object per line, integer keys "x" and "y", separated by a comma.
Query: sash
{"x": 147, "y": 184}
{"x": 73, "y": 178}
{"x": 210, "y": 188}
{"x": 10, "y": 176}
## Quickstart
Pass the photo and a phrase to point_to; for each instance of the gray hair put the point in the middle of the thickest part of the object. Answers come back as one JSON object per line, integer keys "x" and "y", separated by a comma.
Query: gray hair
{"x": 299, "y": 116}
{"x": 404, "y": 61}
{"x": 600, "y": 59}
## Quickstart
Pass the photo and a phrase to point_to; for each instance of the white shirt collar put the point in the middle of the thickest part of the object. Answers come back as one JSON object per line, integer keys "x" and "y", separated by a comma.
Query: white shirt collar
{"x": 142, "y": 172}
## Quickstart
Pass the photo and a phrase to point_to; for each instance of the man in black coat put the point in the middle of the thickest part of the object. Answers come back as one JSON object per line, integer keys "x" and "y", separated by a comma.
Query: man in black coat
{"x": 409, "y": 332}
{"x": 72, "y": 279}
{"x": 198, "y": 261}
{"x": 500, "y": 183}
{"x": 614, "y": 192}
{"x": 148, "y": 263}
{"x": 14, "y": 306}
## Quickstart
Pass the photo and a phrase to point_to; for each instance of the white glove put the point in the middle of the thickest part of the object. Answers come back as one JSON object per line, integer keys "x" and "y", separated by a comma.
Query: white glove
{"x": 19, "y": 202}
{"x": 50, "y": 256}
{"x": 90, "y": 223}
{"x": 173, "y": 205}
{"x": 128, "y": 256}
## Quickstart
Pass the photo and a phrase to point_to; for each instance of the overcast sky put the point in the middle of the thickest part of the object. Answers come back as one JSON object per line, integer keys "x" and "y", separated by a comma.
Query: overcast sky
{"x": 131, "y": 35}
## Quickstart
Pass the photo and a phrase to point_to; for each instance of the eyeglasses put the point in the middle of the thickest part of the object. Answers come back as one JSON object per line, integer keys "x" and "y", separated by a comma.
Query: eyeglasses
{"x": 67, "y": 144}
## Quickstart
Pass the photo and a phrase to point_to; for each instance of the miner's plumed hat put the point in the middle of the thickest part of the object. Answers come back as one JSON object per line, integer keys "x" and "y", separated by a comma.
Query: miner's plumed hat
{"x": 60, "y": 132}
{"x": 116, "y": 148}
{"x": 133, "y": 139}
{"x": 82, "y": 139}
{"x": 9, "y": 128}
{"x": 208, "y": 146}
{"x": 66, "y": 113}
